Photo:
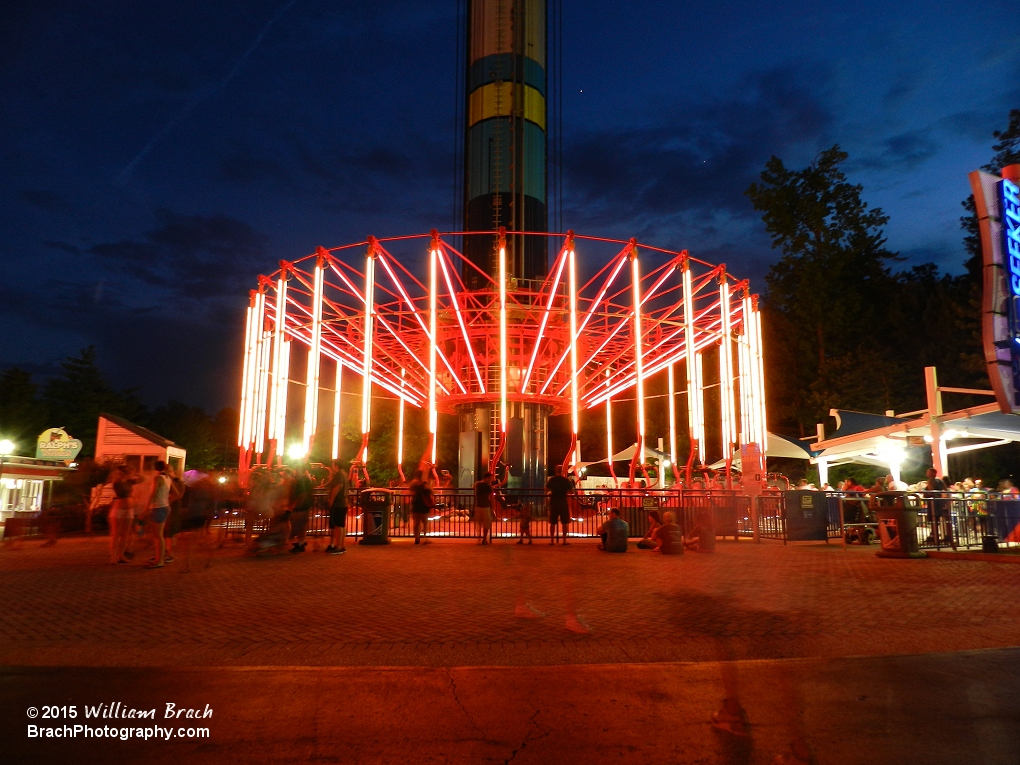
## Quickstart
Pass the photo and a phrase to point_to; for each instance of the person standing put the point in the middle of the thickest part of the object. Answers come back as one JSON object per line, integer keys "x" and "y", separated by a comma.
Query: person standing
{"x": 483, "y": 507}
{"x": 422, "y": 502}
{"x": 122, "y": 513}
{"x": 558, "y": 489}
{"x": 159, "y": 509}
{"x": 338, "y": 485}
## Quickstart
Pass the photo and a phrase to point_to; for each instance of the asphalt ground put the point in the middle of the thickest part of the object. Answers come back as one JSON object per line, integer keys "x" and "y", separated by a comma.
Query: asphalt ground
{"x": 453, "y": 652}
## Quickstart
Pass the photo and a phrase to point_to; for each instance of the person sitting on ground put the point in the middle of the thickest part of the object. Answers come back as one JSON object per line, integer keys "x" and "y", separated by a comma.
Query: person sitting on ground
{"x": 614, "y": 533}
{"x": 693, "y": 540}
{"x": 669, "y": 540}
{"x": 654, "y": 523}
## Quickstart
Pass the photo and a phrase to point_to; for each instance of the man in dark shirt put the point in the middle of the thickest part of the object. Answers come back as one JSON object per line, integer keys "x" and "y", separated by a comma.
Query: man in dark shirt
{"x": 558, "y": 488}
{"x": 338, "y": 486}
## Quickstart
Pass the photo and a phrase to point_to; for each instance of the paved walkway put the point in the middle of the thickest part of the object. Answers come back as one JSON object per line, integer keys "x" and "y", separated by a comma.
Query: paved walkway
{"x": 454, "y": 603}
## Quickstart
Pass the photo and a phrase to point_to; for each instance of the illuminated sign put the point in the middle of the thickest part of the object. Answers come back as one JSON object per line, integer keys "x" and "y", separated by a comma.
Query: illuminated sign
{"x": 1009, "y": 200}
{"x": 56, "y": 444}
{"x": 1009, "y": 217}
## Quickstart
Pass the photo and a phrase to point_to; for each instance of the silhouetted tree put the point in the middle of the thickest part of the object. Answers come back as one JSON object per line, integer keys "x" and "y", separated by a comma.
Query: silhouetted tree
{"x": 22, "y": 414}
{"x": 75, "y": 398}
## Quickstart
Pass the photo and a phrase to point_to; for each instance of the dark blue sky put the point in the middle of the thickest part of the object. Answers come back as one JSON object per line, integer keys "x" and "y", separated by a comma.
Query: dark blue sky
{"x": 157, "y": 156}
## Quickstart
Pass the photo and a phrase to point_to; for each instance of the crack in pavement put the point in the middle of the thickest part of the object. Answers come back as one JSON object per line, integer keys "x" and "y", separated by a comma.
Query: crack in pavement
{"x": 456, "y": 698}
{"x": 528, "y": 738}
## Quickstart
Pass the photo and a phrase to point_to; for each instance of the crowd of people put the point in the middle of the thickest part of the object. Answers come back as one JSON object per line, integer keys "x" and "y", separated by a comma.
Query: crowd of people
{"x": 153, "y": 507}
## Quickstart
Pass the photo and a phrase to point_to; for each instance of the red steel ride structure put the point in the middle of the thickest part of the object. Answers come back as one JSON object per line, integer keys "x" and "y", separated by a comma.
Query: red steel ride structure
{"x": 435, "y": 344}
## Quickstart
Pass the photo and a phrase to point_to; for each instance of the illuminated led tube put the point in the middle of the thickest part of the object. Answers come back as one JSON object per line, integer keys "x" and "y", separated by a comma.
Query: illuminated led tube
{"x": 366, "y": 371}
{"x": 433, "y": 417}
{"x": 242, "y": 432}
{"x": 695, "y": 386}
{"x": 574, "y": 420}
{"x": 262, "y": 395}
{"x": 635, "y": 279}
{"x": 744, "y": 372}
{"x": 609, "y": 434}
{"x": 278, "y": 337}
{"x": 759, "y": 359}
{"x": 281, "y": 406}
{"x": 314, "y": 360}
{"x": 672, "y": 417}
{"x": 400, "y": 426}
{"x": 727, "y": 413}
{"x": 502, "y": 340}
{"x": 335, "y": 452}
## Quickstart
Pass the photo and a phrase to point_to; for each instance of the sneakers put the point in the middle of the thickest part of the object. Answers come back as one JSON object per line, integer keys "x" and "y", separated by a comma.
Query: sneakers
{"x": 330, "y": 548}
{"x": 154, "y": 565}
{"x": 299, "y": 547}
{"x": 337, "y": 551}
{"x": 168, "y": 558}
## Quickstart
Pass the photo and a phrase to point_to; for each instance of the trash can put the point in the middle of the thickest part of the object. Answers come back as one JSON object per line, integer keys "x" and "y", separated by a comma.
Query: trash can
{"x": 376, "y": 507}
{"x": 897, "y": 526}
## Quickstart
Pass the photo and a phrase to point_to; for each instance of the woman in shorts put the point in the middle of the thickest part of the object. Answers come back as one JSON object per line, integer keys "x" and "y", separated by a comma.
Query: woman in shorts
{"x": 122, "y": 513}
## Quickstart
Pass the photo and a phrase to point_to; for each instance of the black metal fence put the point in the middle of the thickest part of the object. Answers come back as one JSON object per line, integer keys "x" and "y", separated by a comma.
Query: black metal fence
{"x": 589, "y": 509}
{"x": 945, "y": 519}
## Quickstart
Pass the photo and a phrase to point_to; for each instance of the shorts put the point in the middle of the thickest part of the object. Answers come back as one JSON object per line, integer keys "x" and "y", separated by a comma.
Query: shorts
{"x": 559, "y": 515}
{"x": 338, "y": 517}
{"x": 159, "y": 514}
{"x": 122, "y": 509}
{"x": 420, "y": 517}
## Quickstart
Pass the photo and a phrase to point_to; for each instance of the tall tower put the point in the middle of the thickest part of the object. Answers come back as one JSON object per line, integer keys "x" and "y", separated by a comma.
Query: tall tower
{"x": 505, "y": 185}
{"x": 505, "y": 156}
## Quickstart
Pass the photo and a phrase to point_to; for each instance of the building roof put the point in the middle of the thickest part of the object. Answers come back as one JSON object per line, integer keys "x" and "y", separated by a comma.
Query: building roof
{"x": 138, "y": 430}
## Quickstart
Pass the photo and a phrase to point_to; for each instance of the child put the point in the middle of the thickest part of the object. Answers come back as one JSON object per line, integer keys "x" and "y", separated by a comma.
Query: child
{"x": 524, "y": 516}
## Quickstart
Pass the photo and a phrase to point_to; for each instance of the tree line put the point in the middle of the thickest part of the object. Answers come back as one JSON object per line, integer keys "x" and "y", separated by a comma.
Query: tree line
{"x": 74, "y": 398}
{"x": 846, "y": 325}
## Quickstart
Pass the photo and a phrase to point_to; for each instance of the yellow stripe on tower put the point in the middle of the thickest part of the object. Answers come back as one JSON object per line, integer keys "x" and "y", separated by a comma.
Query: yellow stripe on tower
{"x": 483, "y": 100}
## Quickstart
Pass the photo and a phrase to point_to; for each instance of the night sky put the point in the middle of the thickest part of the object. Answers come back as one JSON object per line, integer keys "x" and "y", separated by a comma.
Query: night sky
{"x": 157, "y": 156}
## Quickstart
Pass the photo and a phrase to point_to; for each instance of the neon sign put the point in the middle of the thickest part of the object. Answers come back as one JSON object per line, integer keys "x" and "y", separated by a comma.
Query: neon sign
{"x": 1010, "y": 206}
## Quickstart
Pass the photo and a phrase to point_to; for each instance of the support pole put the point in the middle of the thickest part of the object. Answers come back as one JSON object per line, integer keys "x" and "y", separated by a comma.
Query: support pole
{"x": 939, "y": 457}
